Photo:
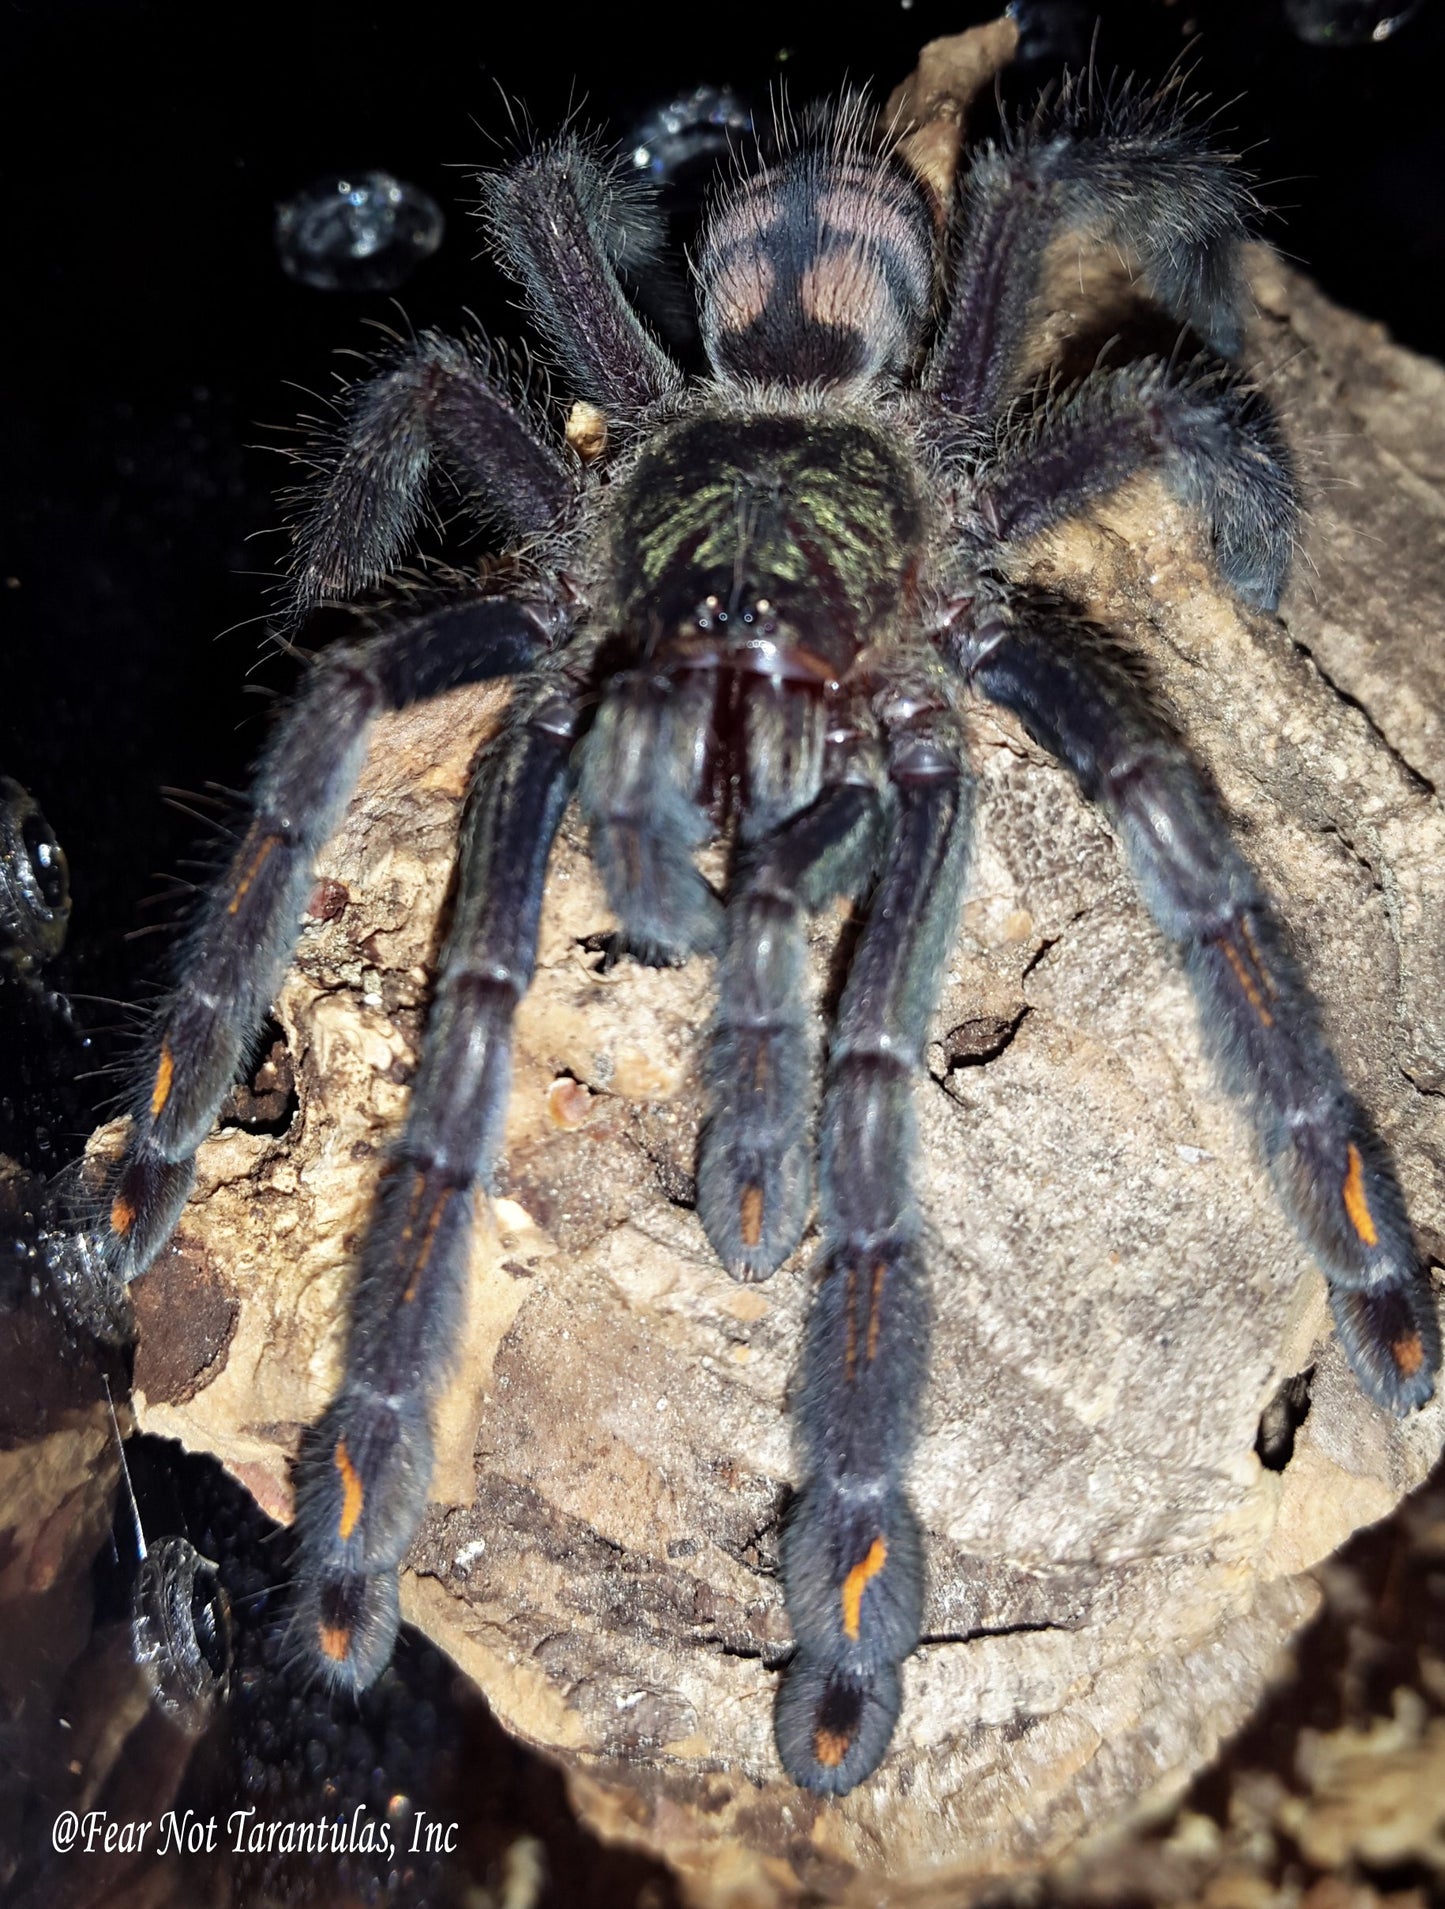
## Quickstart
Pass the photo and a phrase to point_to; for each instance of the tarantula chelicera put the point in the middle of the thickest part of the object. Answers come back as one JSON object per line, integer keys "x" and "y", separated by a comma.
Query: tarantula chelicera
{"x": 757, "y": 610}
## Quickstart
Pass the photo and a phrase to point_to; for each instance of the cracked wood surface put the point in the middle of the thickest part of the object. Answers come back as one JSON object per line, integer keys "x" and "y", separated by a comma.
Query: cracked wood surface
{"x": 1111, "y": 1570}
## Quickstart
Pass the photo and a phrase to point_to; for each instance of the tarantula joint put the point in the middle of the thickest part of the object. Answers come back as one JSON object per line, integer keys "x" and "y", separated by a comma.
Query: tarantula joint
{"x": 754, "y": 606}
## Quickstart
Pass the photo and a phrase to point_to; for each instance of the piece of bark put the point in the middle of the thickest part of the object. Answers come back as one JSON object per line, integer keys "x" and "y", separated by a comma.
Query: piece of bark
{"x": 1331, "y": 1797}
{"x": 1111, "y": 1570}
{"x": 928, "y": 112}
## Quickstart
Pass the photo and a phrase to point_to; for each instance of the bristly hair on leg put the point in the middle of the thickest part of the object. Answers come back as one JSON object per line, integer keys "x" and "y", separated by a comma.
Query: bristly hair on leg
{"x": 569, "y": 221}
{"x": 1115, "y": 166}
{"x": 456, "y": 405}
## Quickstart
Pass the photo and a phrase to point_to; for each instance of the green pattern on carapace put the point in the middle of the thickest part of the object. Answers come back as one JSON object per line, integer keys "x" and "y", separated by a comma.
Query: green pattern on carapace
{"x": 803, "y": 510}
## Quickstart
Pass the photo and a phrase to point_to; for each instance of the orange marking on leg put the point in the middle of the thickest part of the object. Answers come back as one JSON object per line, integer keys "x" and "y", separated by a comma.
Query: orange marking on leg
{"x": 352, "y": 1495}
{"x": 165, "y": 1074}
{"x": 335, "y": 1642}
{"x": 1246, "y": 982}
{"x": 418, "y": 1194}
{"x": 1353, "y": 1193}
{"x": 880, "y": 1273}
{"x": 1260, "y": 969}
{"x": 857, "y": 1582}
{"x": 850, "y": 1344}
{"x": 1409, "y": 1353}
{"x": 122, "y": 1215}
{"x": 268, "y": 842}
{"x": 750, "y": 1215}
{"x": 830, "y": 1747}
{"x": 434, "y": 1220}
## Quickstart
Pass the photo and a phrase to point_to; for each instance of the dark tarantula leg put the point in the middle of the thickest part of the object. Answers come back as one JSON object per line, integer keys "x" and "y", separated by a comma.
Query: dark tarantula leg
{"x": 437, "y": 403}
{"x": 1212, "y": 437}
{"x": 562, "y": 223}
{"x": 1334, "y": 1175}
{"x": 642, "y": 767}
{"x": 753, "y": 1160}
{"x": 852, "y": 1566}
{"x": 365, "y": 1470}
{"x": 242, "y": 940}
{"x": 1146, "y": 180}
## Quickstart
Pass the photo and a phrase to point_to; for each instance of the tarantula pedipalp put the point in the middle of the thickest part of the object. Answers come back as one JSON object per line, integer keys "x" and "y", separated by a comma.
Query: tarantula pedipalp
{"x": 760, "y": 611}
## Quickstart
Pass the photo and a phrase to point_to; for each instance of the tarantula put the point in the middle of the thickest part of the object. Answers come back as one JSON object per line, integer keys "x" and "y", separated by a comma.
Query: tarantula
{"x": 756, "y": 610}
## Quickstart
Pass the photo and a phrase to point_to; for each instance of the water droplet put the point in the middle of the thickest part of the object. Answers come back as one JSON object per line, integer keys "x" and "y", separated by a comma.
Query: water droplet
{"x": 1348, "y": 22}
{"x": 1052, "y": 30}
{"x": 34, "y": 883}
{"x": 700, "y": 125}
{"x": 361, "y": 232}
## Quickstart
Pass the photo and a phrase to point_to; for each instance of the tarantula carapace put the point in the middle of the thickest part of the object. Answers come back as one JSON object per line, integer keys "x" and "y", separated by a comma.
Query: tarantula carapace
{"x": 757, "y": 610}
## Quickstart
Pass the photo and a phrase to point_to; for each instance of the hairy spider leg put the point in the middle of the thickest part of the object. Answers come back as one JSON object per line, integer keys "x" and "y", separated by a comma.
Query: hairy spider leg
{"x": 1138, "y": 174}
{"x": 1079, "y": 701}
{"x": 241, "y": 942}
{"x": 754, "y": 1156}
{"x": 366, "y": 1466}
{"x": 563, "y": 222}
{"x": 436, "y": 404}
{"x": 1208, "y": 432}
{"x": 643, "y": 767}
{"x": 852, "y": 1563}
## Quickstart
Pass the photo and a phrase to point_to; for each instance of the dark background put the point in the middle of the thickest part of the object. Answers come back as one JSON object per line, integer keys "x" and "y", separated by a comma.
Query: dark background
{"x": 156, "y": 344}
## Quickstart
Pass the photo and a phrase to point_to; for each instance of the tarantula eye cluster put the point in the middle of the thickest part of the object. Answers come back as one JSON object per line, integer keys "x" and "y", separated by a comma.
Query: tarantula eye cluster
{"x": 774, "y": 589}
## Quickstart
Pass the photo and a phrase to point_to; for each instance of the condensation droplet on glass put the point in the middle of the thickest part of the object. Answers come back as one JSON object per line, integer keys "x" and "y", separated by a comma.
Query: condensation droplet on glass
{"x": 1053, "y": 30}
{"x": 1348, "y": 22}
{"x": 699, "y": 125}
{"x": 34, "y": 882}
{"x": 361, "y": 232}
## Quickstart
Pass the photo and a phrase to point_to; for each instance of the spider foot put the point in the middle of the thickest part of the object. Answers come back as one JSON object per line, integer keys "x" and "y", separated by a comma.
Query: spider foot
{"x": 346, "y": 1624}
{"x": 754, "y": 1174}
{"x": 853, "y": 1568}
{"x": 362, "y": 1483}
{"x": 833, "y": 1725}
{"x": 145, "y": 1205}
{"x": 648, "y": 951}
{"x": 1391, "y": 1338}
{"x": 1348, "y": 1206}
{"x": 752, "y": 1197}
